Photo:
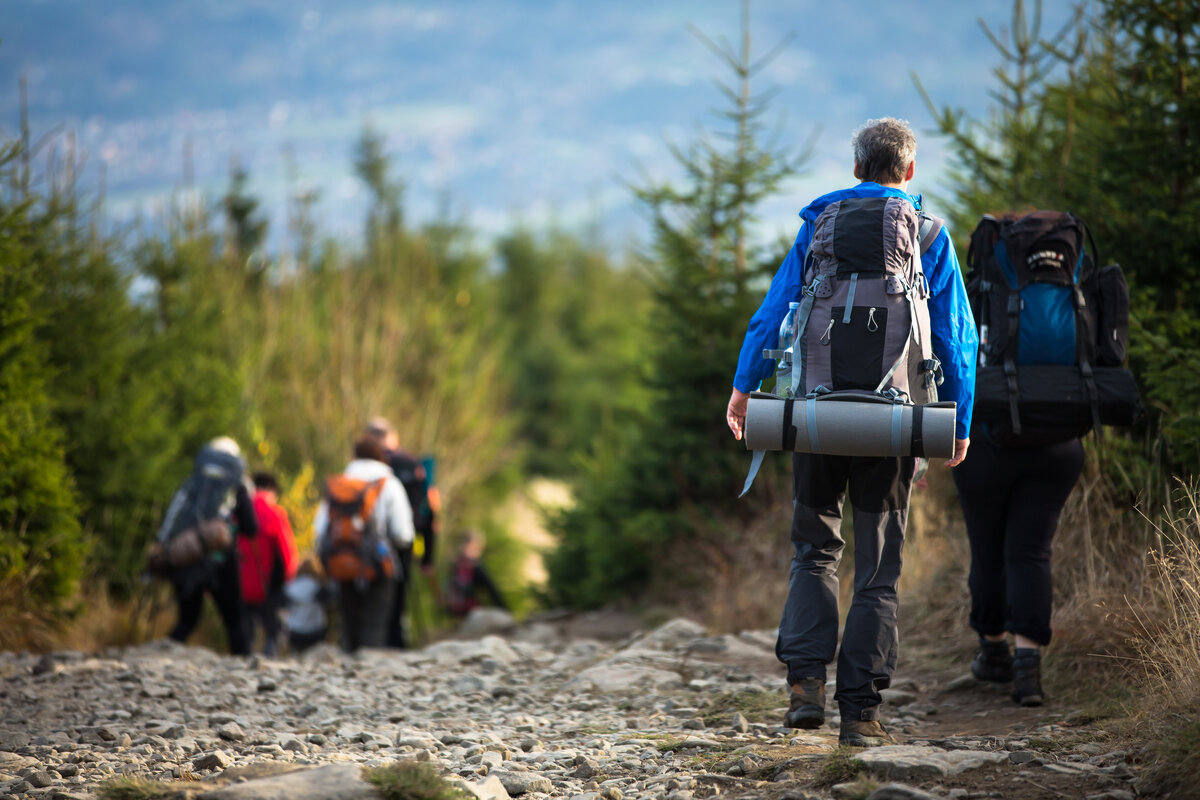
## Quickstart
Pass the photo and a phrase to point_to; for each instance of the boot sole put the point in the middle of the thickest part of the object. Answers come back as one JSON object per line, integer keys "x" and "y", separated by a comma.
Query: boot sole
{"x": 864, "y": 741}
{"x": 806, "y": 718}
{"x": 1029, "y": 701}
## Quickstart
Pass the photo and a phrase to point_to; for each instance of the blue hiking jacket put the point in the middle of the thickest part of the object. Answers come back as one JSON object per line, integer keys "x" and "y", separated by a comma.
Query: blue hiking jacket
{"x": 955, "y": 341}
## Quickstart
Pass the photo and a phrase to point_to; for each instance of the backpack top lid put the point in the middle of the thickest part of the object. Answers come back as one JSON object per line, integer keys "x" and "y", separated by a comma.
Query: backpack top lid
{"x": 1038, "y": 247}
{"x": 867, "y": 235}
{"x": 217, "y": 472}
{"x": 346, "y": 494}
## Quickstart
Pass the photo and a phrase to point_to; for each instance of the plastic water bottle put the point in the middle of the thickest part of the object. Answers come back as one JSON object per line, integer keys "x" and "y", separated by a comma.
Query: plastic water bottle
{"x": 783, "y": 368}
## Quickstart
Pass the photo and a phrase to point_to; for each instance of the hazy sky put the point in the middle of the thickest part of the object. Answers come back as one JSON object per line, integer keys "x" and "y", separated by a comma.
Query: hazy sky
{"x": 530, "y": 111}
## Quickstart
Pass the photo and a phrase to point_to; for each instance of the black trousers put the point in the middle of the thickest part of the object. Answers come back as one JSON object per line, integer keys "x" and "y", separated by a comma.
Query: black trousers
{"x": 396, "y": 636}
{"x": 267, "y": 616}
{"x": 223, "y": 581}
{"x": 364, "y": 613}
{"x": 808, "y": 628}
{"x": 1011, "y": 500}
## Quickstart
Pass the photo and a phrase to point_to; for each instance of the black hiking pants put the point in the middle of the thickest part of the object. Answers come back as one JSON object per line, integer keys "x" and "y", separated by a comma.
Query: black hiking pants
{"x": 223, "y": 581}
{"x": 1011, "y": 499}
{"x": 364, "y": 613}
{"x": 396, "y": 636}
{"x": 808, "y": 629}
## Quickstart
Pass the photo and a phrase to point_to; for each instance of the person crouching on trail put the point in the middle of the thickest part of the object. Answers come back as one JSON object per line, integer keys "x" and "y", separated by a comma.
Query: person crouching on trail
{"x": 361, "y": 524}
{"x": 884, "y": 153}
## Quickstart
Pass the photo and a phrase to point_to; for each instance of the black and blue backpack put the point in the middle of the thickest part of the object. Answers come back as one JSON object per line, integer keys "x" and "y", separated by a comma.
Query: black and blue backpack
{"x": 1053, "y": 331}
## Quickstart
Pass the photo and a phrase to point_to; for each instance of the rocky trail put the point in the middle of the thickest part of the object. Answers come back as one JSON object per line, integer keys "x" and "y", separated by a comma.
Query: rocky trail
{"x": 534, "y": 713}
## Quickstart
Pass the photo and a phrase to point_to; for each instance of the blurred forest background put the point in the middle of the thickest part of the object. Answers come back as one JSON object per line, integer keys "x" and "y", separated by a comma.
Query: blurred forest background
{"x": 546, "y": 356}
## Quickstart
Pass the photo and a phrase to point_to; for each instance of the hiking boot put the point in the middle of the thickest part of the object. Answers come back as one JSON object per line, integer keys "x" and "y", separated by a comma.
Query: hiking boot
{"x": 1027, "y": 677}
{"x": 863, "y": 732}
{"x": 993, "y": 663}
{"x": 806, "y": 709}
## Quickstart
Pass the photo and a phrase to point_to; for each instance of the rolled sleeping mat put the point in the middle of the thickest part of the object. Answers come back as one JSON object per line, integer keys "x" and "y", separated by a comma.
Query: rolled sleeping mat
{"x": 850, "y": 423}
{"x": 847, "y": 423}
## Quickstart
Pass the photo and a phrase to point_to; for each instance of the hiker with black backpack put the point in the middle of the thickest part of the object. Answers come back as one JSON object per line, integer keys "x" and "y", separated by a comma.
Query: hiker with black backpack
{"x": 363, "y": 522}
{"x": 882, "y": 310}
{"x": 415, "y": 476}
{"x": 195, "y": 546}
{"x": 1054, "y": 329}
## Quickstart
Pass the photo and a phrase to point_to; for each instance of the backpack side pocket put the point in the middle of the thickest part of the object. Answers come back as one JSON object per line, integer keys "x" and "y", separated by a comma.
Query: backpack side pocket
{"x": 1113, "y": 329}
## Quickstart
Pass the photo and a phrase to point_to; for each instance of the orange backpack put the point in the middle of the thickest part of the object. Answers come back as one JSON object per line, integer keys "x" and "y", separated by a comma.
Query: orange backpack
{"x": 354, "y": 549}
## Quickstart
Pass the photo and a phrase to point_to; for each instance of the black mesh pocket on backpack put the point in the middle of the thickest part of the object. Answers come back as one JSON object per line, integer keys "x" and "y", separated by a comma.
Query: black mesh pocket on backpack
{"x": 857, "y": 347}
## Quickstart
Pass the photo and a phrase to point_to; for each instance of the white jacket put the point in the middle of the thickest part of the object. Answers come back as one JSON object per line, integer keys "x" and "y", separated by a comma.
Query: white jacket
{"x": 392, "y": 511}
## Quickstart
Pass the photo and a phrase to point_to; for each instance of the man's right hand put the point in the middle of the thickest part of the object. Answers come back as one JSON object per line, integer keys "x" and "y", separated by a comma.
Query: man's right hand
{"x": 735, "y": 413}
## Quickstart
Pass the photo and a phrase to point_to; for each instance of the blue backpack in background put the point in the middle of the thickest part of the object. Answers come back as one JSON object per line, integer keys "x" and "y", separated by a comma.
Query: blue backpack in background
{"x": 1053, "y": 331}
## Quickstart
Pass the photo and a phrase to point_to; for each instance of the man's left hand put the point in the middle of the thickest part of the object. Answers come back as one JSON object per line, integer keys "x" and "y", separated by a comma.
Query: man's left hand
{"x": 960, "y": 452}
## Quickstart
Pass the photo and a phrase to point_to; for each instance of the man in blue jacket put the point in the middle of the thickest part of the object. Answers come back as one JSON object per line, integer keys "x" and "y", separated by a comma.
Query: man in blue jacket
{"x": 884, "y": 159}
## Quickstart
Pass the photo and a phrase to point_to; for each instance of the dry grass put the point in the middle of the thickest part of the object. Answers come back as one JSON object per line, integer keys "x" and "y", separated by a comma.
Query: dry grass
{"x": 98, "y": 620}
{"x": 1167, "y": 644}
{"x": 23, "y": 624}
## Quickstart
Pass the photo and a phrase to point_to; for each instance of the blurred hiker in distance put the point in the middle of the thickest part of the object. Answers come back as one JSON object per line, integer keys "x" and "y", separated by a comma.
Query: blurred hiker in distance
{"x": 878, "y": 230}
{"x": 306, "y": 596}
{"x": 362, "y": 524}
{"x": 268, "y": 562}
{"x": 469, "y": 579}
{"x": 195, "y": 546}
{"x": 425, "y": 502}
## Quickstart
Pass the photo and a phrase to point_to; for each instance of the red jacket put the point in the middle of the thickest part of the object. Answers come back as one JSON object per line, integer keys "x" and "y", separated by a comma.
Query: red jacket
{"x": 270, "y": 558}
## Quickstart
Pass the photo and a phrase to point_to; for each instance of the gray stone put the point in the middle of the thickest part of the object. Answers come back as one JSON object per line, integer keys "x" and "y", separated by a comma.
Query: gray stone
{"x": 585, "y": 768}
{"x": 739, "y": 723}
{"x": 232, "y": 732}
{"x": 40, "y": 779}
{"x": 343, "y": 781}
{"x": 213, "y": 760}
{"x": 901, "y": 762}
{"x": 624, "y": 677}
{"x": 1021, "y": 757}
{"x": 900, "y": 791}
{"x": 484, "y": 621}
{"x": 490, "y": 788}
{"x": 521, "y": 782}
{"x": 677, "y": 633}
{"x": 11, "y": 762}
{"x": 1112, "y": 794}
{"x": 13, "y": 740}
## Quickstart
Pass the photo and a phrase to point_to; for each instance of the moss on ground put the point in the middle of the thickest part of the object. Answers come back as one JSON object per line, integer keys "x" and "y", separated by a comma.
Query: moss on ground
{"x": 755, "y": 706}
{"x": 840, "y": 766}
{"x": 412, "y": 780}
{"x": 134, "y": 788}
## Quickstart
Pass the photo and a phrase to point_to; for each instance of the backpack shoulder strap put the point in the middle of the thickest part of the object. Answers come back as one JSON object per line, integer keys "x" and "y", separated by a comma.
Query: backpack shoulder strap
{"x": 371, "y": 494}
{"x": 929, "y": 229}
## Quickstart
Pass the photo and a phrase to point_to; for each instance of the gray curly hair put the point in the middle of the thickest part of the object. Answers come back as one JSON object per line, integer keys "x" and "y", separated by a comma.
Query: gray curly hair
{"x": 883, "y": 149}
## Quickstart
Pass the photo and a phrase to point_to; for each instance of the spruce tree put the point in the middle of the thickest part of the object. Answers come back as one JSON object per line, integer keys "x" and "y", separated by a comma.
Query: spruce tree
{"x": 41, "y": 544}
{"x": 676, "y": 477}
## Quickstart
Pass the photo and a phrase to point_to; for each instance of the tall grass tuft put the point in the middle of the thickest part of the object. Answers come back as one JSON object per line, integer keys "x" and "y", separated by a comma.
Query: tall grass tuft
{"x": 1167, "y": 644}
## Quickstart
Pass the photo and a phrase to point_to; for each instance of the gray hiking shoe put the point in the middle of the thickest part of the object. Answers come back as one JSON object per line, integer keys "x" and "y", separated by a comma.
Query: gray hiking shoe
{"x": 863, "y": 732}
{"x": 806, "y": 708}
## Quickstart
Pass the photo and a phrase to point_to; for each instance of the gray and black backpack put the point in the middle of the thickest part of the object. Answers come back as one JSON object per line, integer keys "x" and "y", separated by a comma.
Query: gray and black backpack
{"x": 863, "y": 320}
